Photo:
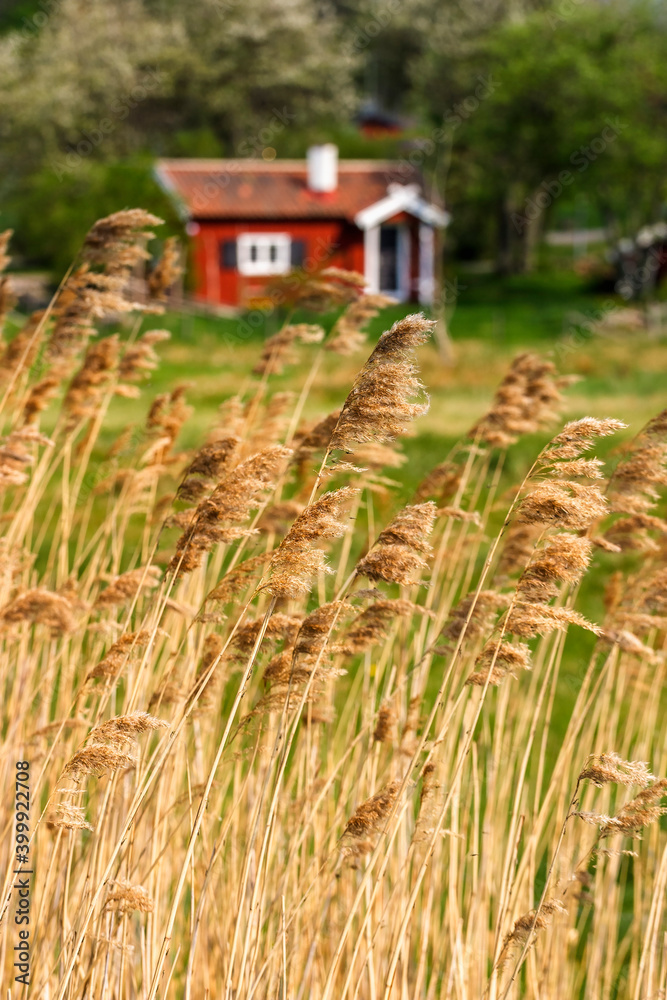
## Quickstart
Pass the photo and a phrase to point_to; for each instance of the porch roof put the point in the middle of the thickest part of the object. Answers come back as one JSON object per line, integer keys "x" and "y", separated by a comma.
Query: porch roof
{"x": 402, "y": 198}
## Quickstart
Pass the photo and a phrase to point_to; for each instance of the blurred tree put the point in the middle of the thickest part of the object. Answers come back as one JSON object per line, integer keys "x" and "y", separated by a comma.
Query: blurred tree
{"x": 13, "y": 13}
{"x": 394, "y": 35}
{"x": 63, "y": 74}
{"x": 255, "y": 68}
{"x": 51, "y": 216}
{"x": 221, "y": 66}
{"x": 568, "y": 99}
{"x": 86, "y": 82}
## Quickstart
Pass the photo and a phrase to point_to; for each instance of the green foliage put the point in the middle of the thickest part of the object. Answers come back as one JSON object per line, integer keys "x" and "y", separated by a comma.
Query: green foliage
{"x": 53, "y": 210}
{"x": 511, "y": 312}
{"x": 92, "y": 90}
{"x": 197, "y": 142}
{"x": 252, "y": 70}
{"x": 219, "y": 72}
{"x": 352, "y": 143}
{"x": 560, "y": 102}
{"x": 15, "y": 12}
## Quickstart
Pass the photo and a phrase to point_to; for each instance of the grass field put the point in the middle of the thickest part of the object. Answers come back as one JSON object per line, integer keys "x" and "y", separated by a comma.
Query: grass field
{"x": 335, "y": 716}
{"x": 490, "y": 322}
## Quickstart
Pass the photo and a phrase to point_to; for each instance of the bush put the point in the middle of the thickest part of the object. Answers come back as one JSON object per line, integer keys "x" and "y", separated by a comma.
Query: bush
{"x": 52, "y": 210}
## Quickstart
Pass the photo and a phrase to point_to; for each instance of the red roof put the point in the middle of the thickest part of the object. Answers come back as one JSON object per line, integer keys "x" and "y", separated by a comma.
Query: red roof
{"x": 254, "y": 189}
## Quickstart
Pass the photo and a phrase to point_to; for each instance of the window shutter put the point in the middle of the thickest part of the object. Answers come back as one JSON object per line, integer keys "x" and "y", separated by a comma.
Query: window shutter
{"x": 297, "y": 253}
{"x": 228, "y": 253}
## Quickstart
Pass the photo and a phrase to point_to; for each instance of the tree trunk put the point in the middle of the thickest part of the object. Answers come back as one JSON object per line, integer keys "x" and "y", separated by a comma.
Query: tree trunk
{"x": 531, "y": 235}
{"x": 504, "y": 241}
{"x": 441, "y": 334}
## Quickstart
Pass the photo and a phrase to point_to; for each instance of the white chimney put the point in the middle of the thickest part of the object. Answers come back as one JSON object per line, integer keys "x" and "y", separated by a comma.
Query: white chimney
{"x": 323, "y": 167}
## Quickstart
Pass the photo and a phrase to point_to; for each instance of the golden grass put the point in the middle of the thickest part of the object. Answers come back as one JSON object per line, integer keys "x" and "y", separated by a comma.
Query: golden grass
{"x": 287, "y": 738}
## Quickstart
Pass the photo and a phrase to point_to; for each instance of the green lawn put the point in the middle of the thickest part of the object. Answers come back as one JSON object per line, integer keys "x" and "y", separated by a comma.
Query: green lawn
{"x": 526, "y": 309}
{"x": 489, "y": 323}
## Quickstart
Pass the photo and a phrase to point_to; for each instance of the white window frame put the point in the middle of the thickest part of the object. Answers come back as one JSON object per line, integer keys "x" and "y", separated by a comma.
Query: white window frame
{"x": 262, "y": 244}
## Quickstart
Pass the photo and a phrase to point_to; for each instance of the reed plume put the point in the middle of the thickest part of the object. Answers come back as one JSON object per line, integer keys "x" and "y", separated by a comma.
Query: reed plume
{"x": 22, "y": 350}
{"x": 497, "y": 660}
{"x": 563, "y": 559}
{"x": 398, "y": 555}
{"x": 117, "y": 655}
{"x": 278, "y": 351}
{"x": 279, "y": 627}
{"x": 304, "y": 652}
{"x": 124, "y": 729}
{"x": 386, "y": 727}
{"x": 442, "y": 482}
{"x": 167, "y": 271}
{"x": 139, "y": 359}
{"x": 640, "y": 812}
{"x": 41, "y": 607}
{"x": 479, "y": 611}
{"x": 315, "y": 630}
{"x": 609, "y": 768}
{"x": 297, "y": 560}
{"x": 577, "y": 437}
{"x": 347, "y": 335}
{"x": 124, "y": 897}
{"x": 94, "y": 290}
{"x": 116, "y": 242}
{"x": 238, "y": 579}
{"x": 378, "y": 408}
{"x": 85, "y": 391}
{"x": 127, "y": 586}
{"x": 98, "y": 759}
{"x": 633, "y": 491}
{"x": 529, "y": 620}
{"x": 525, "y": 929}
{"x": 566, "y": 505}
{"x": 528, "y": 398}
{"x": 164, "y": 423}
{"x": 17, "y": 455}
{"x": 372, "y": 624}
{"x": 629, "y": 643}
{"x": 364, "y": 825}
{"x": 220, "y": 516}
{"x": 208, "y": 466}
{"x": 428, "y": 805}
{"x": 68, "y": 817}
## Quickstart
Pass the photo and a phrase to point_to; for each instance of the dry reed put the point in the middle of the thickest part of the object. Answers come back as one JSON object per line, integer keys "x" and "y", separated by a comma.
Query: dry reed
{"x": 362, "y": 792}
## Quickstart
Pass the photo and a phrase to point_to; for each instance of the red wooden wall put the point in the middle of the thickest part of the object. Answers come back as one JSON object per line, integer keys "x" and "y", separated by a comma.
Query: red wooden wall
{"x": 334, "y": 242}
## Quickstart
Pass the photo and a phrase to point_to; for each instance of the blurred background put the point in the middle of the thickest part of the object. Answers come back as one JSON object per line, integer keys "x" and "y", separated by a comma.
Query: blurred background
{"x": 539, "y": 125}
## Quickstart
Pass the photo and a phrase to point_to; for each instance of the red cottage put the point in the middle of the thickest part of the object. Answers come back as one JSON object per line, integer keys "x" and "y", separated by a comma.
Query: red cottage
{"x": 252, "y": 219}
